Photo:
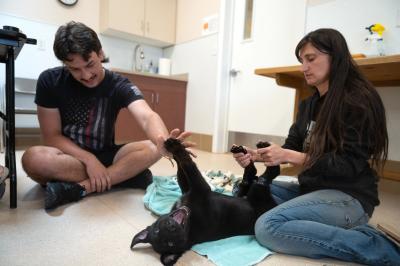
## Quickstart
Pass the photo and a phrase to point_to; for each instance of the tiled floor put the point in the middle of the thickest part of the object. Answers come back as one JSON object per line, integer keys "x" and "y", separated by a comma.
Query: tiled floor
{"x": 98, "y": 230}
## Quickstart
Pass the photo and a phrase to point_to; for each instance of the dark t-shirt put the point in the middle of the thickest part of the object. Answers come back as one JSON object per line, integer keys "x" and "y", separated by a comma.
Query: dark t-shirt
{"x": 88, "y": 115}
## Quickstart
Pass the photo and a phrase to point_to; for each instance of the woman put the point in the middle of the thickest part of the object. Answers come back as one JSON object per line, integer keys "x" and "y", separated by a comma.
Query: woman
{"x": 338, "y": 131}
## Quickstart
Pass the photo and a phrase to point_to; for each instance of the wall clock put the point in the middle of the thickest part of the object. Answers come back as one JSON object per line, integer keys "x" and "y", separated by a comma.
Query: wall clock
{"x": 68, "y": 2}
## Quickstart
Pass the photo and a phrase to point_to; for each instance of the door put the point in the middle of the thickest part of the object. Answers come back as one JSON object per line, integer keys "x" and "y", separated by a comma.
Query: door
{"x": 263, "y": 34}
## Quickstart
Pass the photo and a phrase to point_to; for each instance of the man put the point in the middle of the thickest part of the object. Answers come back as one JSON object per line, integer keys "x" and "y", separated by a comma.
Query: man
{"x": 77, "y": 105}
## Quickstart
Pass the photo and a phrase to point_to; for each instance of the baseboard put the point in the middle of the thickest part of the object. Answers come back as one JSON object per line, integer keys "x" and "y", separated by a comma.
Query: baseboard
{"x": 27, "y": 137}
{"x": 392, "y": 170}
{"x": 203, "y": 141}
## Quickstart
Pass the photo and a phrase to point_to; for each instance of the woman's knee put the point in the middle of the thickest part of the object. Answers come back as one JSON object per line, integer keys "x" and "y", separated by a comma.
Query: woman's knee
{"x": 266, "y": 228}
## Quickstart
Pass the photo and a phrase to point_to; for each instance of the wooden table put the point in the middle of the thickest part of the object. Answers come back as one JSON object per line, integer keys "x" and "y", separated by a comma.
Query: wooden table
{"x": 382, "y": 71}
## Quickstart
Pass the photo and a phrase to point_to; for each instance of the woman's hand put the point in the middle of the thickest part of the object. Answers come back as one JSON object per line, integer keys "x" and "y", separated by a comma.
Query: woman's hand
{"x": 272, "y": 155}
{"x": 244, "y": 159}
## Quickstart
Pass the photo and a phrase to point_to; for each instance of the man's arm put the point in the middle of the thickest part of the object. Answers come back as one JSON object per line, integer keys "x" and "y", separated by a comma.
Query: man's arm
{"x": 50, "y": 125}
{"x": 149, "y": 121}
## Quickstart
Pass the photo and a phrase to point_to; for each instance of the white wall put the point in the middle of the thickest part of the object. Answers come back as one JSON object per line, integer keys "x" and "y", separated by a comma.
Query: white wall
{"x": 196, "y": 55}
{"x": 53, "y": 12}
{"x": 198, "y": 58}
{"x": 351, "y": 17}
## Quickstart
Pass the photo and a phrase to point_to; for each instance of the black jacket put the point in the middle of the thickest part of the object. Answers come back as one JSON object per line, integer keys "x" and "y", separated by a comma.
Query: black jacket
{"x": 348, "y": 171}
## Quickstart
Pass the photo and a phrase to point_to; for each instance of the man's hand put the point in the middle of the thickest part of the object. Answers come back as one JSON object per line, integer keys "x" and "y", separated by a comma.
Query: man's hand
{"x": 176, "y": 134}
{"x": 100, "y": 180}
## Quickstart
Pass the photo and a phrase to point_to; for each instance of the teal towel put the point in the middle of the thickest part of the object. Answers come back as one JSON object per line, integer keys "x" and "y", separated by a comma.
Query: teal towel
{"x": 162, "y": 194}
{"x": 233, "y": 251}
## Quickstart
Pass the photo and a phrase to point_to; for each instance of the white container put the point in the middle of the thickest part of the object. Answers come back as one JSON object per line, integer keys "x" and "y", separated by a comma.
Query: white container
{"x": 374, "y": 45}
{"x": 164, "y": 66}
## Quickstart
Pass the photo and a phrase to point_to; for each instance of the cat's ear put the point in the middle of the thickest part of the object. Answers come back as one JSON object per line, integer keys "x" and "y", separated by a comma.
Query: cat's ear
{"x": 141, "y": 237}
{"x": 169, "y": 259}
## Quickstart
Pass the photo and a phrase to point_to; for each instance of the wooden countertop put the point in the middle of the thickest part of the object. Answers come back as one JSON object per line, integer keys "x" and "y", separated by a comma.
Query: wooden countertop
{"x": 381, "y": 71}
{"x": 179, "y": 77}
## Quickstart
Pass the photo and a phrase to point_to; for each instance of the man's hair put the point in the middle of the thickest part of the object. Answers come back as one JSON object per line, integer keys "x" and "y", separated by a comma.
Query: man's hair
{"x": 349, "y": 94}
{"x": 75, "y": 38}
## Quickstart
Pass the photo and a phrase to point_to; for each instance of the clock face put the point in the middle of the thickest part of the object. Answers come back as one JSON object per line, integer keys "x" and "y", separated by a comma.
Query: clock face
{"x": 68, "y": 2}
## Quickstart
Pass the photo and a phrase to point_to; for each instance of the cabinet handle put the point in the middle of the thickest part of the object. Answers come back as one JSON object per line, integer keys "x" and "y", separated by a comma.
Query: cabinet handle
{"x": 152, "y": 97}
{"x": 148, "y": 27}
{"x": 157, "y": 98}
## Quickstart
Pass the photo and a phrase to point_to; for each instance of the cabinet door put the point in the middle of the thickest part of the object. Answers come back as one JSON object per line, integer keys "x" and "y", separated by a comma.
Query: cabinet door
{"x": 170, "y": 105}
{"x": 160, "y": 17}
{"x": 121, "y": 17}
{"x": 166, "y": 97}
{"x": 126, "y": 127}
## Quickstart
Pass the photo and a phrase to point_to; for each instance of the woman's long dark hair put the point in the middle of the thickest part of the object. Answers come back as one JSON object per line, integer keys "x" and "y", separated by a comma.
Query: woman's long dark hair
{"x": 349, "y": 94}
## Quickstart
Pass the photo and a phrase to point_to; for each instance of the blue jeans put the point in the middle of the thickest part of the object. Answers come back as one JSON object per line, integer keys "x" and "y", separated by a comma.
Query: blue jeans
{"x": 321, "y": 224}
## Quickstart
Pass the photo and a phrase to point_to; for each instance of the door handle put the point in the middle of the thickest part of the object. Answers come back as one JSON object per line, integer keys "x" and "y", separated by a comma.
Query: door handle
{"x": 234, "y": 72}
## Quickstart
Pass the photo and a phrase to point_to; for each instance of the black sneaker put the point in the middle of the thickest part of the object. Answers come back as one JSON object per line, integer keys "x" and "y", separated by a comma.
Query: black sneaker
{"x": 141, "y": 180}
{"x": 59, "y": 193}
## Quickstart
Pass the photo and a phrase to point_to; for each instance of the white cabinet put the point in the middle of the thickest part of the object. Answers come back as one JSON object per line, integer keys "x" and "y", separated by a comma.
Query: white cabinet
{"x": 146, "y": 21}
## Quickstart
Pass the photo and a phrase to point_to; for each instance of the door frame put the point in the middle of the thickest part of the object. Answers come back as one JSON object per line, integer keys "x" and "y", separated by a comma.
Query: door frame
{"x": 224, "y": 64}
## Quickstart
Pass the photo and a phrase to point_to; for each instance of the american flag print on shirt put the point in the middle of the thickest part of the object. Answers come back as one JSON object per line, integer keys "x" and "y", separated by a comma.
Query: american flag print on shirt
{"x": 85, "y": 122}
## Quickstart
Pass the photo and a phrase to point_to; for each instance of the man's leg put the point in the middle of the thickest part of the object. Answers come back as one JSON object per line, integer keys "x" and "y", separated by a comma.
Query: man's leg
{"x": 44, "y": 164}
{"x": 129, "y": 162}
{"x": 60, "y": 173}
